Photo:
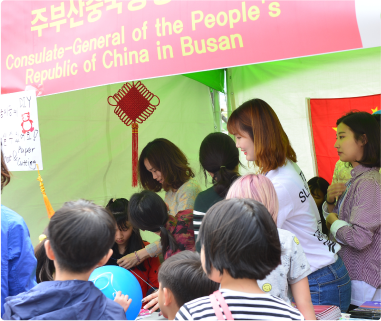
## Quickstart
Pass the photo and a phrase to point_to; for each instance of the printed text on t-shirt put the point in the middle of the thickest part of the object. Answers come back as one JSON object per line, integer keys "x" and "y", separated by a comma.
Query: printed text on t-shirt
{"x": 305, "y": 192}
{"x": 323, "y": 238}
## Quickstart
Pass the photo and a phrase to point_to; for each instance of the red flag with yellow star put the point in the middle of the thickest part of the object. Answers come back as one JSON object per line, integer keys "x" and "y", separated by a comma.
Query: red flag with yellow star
{"x": 324, "y": 114}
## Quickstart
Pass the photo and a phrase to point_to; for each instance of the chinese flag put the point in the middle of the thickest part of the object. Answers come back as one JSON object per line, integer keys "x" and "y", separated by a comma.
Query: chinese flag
{"x": 324, "y": 114}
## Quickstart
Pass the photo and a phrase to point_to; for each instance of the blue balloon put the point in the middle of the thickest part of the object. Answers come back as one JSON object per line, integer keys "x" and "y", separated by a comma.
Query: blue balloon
{"x": 111, "y": 279}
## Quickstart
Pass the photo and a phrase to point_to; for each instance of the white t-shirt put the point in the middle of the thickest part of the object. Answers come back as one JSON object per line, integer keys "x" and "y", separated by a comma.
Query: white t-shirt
{"x": 293, "y": 268}
{"x": 242, "y": 305}
{"x": 298, "y": 214}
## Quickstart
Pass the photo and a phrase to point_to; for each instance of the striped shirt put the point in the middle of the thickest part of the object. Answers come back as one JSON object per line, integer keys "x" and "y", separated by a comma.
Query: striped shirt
{"x": 359, "y": 225}
{"x": 243, "y": 306}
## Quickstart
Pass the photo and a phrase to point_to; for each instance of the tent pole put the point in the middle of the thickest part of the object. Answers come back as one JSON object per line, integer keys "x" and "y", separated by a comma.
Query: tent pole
{"x": 230, "y": 92}
{"x": 216, "y": 110}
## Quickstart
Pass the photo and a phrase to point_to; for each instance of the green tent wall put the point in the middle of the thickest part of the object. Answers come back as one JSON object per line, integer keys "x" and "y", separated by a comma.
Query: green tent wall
{"x": 86, "y": 149}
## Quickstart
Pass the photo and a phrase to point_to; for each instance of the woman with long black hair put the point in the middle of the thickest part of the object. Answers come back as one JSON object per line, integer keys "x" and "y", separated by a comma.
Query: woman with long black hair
{"x": 219, "y": 158}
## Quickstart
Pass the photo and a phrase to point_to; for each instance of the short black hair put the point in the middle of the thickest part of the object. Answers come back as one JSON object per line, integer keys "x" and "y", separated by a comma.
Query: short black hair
{"x": 363, "y": 123}
{"x": 219, "y": 155}
{"x": 148, "y": 211}
{"x": 240, "y": 236}
{"x": 182, "y": 273}
{"x": 81, "y": 234}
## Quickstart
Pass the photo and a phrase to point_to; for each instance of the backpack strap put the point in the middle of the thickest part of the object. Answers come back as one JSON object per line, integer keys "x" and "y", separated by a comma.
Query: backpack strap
{"x": 218, "y": 300}
{"x": 216, "y": 307}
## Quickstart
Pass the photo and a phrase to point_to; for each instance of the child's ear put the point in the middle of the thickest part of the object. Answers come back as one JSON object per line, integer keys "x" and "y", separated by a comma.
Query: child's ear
{"x": 168, "y": 296}
{"x": 49, "y": 250}
{"x": 104, "y": 260}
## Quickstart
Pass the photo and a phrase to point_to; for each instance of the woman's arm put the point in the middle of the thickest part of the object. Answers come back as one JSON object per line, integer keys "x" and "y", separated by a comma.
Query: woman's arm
{"x": 130, "y": 260}
{"x": 297, "y": 277}
{"x": 302, "y": 296}
{"x": 364, "y": 218}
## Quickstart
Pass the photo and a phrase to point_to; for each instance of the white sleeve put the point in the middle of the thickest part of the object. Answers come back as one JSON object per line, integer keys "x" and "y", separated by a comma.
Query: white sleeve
{"x": 325, "y": 210}
{"x": 154, "y": 249}
{"x": 336, "y": 225}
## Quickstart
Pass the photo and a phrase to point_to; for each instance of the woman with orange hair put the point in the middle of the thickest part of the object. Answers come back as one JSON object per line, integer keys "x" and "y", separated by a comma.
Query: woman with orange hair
{"x": 260, "y": 135}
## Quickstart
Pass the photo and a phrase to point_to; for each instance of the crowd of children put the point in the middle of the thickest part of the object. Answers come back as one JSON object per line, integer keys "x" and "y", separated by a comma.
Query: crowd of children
{"x": 262, "y": 251}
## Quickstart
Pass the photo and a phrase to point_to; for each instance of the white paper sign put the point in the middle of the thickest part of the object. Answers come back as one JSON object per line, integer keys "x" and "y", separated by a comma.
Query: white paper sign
{"x": 20, "y": 134}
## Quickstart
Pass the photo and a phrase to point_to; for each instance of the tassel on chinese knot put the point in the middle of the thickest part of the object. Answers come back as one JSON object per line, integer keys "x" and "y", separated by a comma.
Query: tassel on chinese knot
{"x": 48, "y": 206}
{"x": 133, "y": 105}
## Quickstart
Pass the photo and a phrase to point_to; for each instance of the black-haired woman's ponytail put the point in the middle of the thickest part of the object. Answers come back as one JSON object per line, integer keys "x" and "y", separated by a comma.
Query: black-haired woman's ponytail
{"x": 223, "y": 179}
{"x": 220, "y": 156}
{"x": 168, "y": 242}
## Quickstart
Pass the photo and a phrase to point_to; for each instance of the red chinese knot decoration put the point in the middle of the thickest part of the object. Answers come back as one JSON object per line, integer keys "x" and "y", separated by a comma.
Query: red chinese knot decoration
{"x": 133, "y": 105}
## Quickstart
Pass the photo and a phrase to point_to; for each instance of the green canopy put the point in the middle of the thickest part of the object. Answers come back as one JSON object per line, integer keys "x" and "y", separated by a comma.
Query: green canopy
{"x": 211, "y": 78}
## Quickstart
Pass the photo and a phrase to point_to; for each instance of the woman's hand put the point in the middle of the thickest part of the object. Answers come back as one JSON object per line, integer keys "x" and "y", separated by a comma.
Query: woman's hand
{"x": 332, "y": 217}
{"x": 128, "y": 261}
{"x": 334, "y": 191}
{"x": 153, "y": 301}
{"x": 123, "y": 300}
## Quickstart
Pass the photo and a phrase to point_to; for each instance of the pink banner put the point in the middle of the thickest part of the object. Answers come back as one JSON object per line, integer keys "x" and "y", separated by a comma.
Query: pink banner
{"x": 62, "y": 46}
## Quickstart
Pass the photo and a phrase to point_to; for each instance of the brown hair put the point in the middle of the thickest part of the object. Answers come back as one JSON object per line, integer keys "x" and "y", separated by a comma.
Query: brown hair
{"x": 167, "y": 158}
{"x": 5, "y": 175}
{"x": 271, "y": 144}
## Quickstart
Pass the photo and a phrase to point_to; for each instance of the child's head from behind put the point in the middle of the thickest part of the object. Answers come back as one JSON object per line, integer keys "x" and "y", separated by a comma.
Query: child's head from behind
{"x": 148, "y": 211}
{"x": 238, "y": 236}
{"x": 80, "y": 235}
{"x": 259, "y": 188}
{"x": 182, "y": 279}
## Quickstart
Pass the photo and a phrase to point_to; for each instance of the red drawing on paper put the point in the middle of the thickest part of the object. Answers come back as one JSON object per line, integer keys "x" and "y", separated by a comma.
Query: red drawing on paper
{"x": 27, "y": 123}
